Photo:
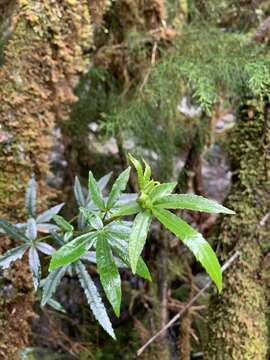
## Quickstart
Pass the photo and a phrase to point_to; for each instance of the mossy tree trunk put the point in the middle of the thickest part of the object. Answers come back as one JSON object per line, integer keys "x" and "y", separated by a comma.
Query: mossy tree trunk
{"x": 41, "y": 62}
{"x": 238, "y": 317}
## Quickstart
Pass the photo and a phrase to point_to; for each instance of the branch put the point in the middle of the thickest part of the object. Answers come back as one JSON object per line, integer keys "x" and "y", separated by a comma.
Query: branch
{"x": 227, "y": 264}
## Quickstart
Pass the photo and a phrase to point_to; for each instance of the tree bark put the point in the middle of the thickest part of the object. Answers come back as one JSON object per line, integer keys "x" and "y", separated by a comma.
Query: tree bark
{"x": 237, "y": 318}
{"x": 41, "y": 62}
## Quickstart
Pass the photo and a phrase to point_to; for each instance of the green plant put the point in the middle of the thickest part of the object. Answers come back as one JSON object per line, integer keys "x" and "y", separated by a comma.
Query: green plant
{"x": 103, "y": 236}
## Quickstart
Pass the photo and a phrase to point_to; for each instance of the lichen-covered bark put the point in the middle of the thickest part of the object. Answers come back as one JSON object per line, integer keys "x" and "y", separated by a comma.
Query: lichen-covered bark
{"x": 238, "y": 317}
{"x": 42, "y": 60}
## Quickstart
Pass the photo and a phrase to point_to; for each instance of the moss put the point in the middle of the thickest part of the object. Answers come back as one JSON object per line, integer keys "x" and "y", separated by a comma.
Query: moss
{"x": 42, "y": 61}
{"x": 238, "y": 318}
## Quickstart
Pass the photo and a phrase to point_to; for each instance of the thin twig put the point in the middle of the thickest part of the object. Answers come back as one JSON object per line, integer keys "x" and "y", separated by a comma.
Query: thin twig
{"x": 264, "y": 219}
{"x": 227, "y": 264}
{"x": 153, "y": 60}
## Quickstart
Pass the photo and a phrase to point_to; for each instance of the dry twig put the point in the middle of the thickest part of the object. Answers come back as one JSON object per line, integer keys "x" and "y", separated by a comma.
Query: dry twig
{"x": 227, "y": 264}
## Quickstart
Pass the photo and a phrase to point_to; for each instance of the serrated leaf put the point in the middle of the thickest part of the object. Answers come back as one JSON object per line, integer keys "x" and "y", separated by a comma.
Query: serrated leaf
{"x": 93, "y": 298}
{"x": 138, "y": 237}
{"x": 92, "y": 218}
{"x": 91, "y": 257}
{"x": 191, "y": 202}
{"x": 45, "y": 248}
{"x": 108, "y": 272}
{"x": 12, "y": 231}
{"x": 139, "y": 170}
{"x": 30, "y": 197}
{"x": 127, "y": 209}
{"x": 12, "y": 255}
{"x": 31, "y": 230}
{"x": 62, "y": 223}
{"x": 78, "y": 192}
{"x": 194, "y": 241}
{"x": 95, "y": 192}
{"x": 72, "y": 251}
{"x": 34, "y": 265}
{"x": 51, "y": 282}
{"x": 101, "y": 183}
{"x": 47, "y": 215}
{"x": 120, "y": 248}
{"x": 120, "y": 231}
{"x": 118, "y": 187}
{"x": 161, "y": 190}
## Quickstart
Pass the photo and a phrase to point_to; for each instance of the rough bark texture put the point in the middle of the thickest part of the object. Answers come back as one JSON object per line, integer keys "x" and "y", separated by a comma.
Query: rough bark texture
{"x": 42, "y": 60}
{"x": 238, "y": 318}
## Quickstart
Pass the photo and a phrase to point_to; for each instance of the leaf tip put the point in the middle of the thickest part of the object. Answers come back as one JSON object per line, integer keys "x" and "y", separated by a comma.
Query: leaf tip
{"x": 133, "y": 266}
{"x": 112, "y": 334}
{"x": 117, "y": 311}
{"x": 218, "y": 281}
{"x": 219, "y": 287}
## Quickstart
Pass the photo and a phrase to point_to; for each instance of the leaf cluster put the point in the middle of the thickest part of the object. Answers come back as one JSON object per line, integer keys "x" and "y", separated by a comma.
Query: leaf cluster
{"x": 103, "y": 236}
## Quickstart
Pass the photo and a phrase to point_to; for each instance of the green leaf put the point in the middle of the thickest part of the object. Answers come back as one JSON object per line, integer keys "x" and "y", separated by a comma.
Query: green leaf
{"x": 31, "y": 230}
{"x": 56, "y": 306}
{"x": 78, "y": 192}
{"x": 12, "y": 255}
{"x": 94, "y": 299}
{"x": 138, "y": 237}
{"x": 103, "y": 181}
{"x": 194, "y": 241}
{"x": 51, "y": 282}
{"x": 68, "y": 236}
{"x": 91, "y": 257}
{"x": 47, "y": 215}
{"x": 62, "y": 223}
{"x": 161, "y": 190}
{"x": 34, "y": 265}
{"x": 139, "y": 170}
{"x": 108, "y": 272}
{"x": 31, "y": 197}
{"x": 95, "y": 192}
{"x": 12, "y": 231}
{"x": 92, "y": 218}
{"x": 147, "y": 173}
{"x": 130, "y": 208}
{"x": 72, "y": 251}
{"x": 119, "y": 229}
{"x": 58, "y": 239}
{"x": 191, "y": 202}
{"x": 119, "y": 186}
{"x": 120, "y": 248}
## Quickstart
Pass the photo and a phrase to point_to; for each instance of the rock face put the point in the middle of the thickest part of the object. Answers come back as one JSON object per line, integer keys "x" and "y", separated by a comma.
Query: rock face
{"x": 40, "y": 65}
